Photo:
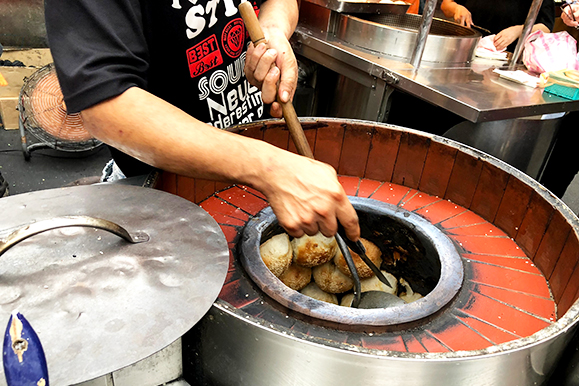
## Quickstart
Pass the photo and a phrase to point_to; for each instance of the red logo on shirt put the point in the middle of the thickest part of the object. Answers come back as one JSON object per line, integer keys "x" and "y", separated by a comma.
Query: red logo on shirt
{"x": 233, "y": 37}
{"x": 204, "y": 56}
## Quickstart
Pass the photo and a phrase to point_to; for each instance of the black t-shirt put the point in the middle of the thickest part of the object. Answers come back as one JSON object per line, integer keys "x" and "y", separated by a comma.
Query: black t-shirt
{"x": 190, "y": 53}
{"x": 498, "y": 15}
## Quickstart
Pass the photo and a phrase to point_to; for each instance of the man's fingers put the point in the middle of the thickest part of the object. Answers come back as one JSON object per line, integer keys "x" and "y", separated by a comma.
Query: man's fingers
{"x": 462, "y": 16}
{"x": 324, "y": 216}
{"x": 296, "y": 227}
{"x": 288, "y": 81}
{"x": 258, "y": 65}
{"x": 265, "y": 64}
{"x": 328, "y": 226}
{"x": 253, "y": 56}
{"x": 275, "y": 110}
{"x": 307, "y": 197}
{"x": 469, "y": 21}
{"x": 285, "y": 92}
{"x": 288, "y": 220}
{"x": 291, "y": 229}
{"x": 269, "y": 86}
{"x": 349, "y": 219}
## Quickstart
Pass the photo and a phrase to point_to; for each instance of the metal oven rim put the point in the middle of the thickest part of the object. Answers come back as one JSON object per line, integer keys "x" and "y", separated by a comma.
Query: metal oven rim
{"x": 448, "y": 285}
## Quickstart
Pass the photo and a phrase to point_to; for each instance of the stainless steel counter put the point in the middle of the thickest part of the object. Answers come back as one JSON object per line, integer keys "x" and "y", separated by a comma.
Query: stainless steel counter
{"x": 472, "y": 91}
{"x": 513, "y": 122}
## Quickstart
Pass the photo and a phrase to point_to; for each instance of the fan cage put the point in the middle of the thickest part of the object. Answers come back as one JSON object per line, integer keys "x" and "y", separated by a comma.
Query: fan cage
{"x": 43, "y": 114}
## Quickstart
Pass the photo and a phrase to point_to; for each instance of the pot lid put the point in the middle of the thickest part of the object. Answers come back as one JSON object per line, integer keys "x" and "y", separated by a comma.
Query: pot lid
{"x": 98, "y": 302}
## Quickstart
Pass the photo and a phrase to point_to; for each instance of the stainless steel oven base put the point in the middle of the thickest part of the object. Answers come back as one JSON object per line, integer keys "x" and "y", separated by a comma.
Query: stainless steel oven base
{"x": 237, "y": 350}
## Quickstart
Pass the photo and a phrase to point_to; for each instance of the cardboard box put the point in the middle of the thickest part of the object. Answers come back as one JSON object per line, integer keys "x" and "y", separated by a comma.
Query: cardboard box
{"x": 32, "y": 57}
{"x": 16, "y": 76}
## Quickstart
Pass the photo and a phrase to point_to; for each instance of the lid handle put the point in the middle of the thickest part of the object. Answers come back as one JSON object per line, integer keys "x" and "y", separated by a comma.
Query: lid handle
{"x": 69, "y": 221}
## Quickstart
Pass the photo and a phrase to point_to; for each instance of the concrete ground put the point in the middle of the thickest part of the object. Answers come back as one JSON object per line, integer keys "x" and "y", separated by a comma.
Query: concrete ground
{"x": 47, "y": 168}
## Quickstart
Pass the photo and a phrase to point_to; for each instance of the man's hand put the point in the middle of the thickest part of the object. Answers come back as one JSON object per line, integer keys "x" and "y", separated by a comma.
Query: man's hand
{"x": 459, "y": 13}
{"x": 504, "y": 38}
{"x": 570, "y": 15}
{"x": 462, "y": 16}
{"x": 278, "y": 20}
{"x": 262, "y": 73}
{"x": 306, "y": 197}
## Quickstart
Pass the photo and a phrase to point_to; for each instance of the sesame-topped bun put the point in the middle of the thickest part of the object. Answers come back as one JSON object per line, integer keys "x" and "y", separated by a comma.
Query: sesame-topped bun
{"x": 329, "y": 278}
{"x": 373, "y": 253}
{"x": 374, "y": 284}
{"x": 277, "y": 253}
{"x": 347, "y": 300}
{"x": 311, "y": 251}
{"x": 313, "y": 291}
{"x": 296, "y": 277}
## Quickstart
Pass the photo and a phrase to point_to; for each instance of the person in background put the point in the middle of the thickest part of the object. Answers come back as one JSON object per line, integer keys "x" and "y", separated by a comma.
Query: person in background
{"x": 505, "y": 19}
{"x": 159, "y": 80}
{"x": 570, "y": 13}
{"x": 415, "y": 7}
{"x": 561, "y": 168}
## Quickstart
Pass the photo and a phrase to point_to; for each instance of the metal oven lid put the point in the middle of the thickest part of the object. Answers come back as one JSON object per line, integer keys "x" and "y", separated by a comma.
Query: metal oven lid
{"x": 97, "y": 302}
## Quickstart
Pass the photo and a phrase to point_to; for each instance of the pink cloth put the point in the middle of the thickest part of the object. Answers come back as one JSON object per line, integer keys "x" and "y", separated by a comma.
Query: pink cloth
{"x": 487, "y": 43}
{"x": 545, "y": 52}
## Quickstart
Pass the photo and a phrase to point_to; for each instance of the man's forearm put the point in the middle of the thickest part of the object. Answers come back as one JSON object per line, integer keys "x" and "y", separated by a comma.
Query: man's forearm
{"x": 536, "y": 27}
{"x": 163, "y": 136}
{"x": 279, "y": 14}
{"x": 305, "y": 194}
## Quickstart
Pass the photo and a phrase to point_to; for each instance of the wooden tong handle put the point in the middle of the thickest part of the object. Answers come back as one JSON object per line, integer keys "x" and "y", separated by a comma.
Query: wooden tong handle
{"x": 251, "y": 23}
{"x": 288, "y": 111}
{"x": 299, "y": 137}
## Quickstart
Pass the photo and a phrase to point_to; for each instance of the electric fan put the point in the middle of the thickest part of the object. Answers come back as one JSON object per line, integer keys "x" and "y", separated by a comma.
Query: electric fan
{"x": 43, "y": 114}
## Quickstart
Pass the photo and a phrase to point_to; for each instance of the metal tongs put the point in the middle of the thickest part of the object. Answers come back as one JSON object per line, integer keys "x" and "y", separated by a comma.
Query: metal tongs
{"x": 357, "y": 247}
{"x": 303, "y": 147}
